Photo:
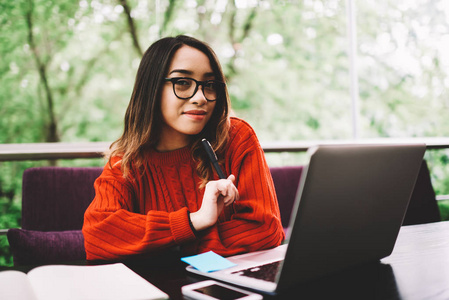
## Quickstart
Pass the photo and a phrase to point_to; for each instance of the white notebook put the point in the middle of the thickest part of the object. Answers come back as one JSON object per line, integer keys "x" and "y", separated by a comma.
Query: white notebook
{"x": 113, "y": 281}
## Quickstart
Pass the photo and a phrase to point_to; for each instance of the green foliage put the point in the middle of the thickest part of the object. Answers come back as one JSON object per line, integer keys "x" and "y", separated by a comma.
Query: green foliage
{"x": 402, "y": 82}
{"x": 444, "y": 209}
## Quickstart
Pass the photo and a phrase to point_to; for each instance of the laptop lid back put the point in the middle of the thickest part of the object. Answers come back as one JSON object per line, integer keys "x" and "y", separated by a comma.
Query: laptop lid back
{"x": 349, "y": 208}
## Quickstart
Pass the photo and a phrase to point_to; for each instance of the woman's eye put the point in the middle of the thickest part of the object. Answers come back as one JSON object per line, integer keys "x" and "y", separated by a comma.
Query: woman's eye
{"x": 184, "y": 82}
{"x": 210, "y": 85}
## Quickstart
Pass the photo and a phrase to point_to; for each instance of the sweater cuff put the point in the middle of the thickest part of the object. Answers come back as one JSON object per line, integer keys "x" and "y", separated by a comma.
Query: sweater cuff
{"x": 180, "y": 227}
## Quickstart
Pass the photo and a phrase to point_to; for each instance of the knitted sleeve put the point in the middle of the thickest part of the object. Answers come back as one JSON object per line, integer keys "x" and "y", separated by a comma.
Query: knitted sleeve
{"x": 112, "y": 230}
{"x": 253, "y": 223}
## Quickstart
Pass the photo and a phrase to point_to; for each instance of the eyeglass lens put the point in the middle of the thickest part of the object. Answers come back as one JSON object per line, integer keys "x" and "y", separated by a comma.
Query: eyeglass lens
{"x": 186, "y": 88}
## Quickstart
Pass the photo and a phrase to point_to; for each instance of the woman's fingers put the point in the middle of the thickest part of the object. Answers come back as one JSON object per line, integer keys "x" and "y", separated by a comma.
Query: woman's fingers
{"x": 228, "y": 190}
{"x": 224, "y": 188}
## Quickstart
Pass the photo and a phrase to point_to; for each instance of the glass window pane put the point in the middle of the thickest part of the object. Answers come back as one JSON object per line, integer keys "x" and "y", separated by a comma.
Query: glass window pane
{"x": 403, "y": 67}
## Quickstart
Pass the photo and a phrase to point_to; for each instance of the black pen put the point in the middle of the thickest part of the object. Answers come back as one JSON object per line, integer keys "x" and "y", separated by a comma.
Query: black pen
{"x": 213, "y": 158}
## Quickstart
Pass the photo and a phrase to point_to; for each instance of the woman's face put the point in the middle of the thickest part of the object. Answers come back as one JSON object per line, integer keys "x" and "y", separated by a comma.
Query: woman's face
{"x": 184, "y": 118}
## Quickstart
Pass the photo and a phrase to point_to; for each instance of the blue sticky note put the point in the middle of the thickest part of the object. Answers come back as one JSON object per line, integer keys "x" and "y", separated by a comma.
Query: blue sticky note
{"x": 208, "y": 262}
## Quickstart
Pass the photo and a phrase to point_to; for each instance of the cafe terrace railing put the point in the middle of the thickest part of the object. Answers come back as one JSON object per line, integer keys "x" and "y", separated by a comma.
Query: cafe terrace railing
{"x": 54, "y": 151}
{"x": 51, "y": 151}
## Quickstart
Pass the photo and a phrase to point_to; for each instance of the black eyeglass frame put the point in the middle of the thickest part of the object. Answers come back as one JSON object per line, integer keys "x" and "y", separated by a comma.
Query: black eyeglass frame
{"x": 220, "y": 84}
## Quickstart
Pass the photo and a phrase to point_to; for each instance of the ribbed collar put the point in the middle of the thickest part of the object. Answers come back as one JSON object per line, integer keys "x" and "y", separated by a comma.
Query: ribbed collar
{"x": 170, "y": 157}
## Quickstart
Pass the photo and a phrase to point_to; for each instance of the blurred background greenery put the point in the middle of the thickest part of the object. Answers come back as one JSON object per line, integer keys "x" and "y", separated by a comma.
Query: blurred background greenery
{"x": 67, "y": 69}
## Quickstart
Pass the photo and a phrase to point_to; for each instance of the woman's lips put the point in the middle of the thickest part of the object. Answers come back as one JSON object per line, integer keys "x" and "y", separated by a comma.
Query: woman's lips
{"x": 195, "y": 114}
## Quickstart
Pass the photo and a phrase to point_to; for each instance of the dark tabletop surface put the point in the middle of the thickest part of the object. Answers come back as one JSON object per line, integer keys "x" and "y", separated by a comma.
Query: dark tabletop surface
{"x": 418, "y": 268}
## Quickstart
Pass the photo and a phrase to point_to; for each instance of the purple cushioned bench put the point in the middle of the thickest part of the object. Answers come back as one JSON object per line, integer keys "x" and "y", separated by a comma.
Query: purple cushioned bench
{"x": 53, "y": 203}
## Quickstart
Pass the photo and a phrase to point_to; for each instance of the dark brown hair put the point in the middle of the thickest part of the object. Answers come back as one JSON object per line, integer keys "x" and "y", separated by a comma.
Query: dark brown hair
{"x": 143, "y": 117}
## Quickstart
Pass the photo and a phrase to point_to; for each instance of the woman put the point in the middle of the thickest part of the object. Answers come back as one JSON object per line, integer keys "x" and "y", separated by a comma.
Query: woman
{"x": 158, "y": 190}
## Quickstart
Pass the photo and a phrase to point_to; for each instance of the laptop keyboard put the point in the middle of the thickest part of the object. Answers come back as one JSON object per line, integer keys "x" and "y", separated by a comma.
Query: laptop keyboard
{"x": 264, "y": 272}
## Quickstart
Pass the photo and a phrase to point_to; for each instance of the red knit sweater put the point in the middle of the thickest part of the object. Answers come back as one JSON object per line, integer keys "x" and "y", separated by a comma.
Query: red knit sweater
{"x": 149, "y": 213}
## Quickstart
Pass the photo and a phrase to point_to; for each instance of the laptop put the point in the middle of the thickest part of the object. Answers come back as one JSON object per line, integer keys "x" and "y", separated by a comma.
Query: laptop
{"x": 348, "y": 210}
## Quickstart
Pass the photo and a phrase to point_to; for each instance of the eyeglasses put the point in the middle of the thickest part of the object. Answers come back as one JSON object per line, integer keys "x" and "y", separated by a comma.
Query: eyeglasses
{"x": 185, "y": 88}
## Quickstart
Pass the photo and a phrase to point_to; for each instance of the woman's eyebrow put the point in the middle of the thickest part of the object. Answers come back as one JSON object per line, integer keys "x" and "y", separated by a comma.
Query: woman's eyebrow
{"x": 182, "y": 71}
{"x": 187, "y": 72}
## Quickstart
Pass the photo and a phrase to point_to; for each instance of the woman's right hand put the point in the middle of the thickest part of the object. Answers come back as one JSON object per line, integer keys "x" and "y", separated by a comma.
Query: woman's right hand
{"x": 218, "y": 193}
